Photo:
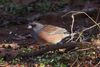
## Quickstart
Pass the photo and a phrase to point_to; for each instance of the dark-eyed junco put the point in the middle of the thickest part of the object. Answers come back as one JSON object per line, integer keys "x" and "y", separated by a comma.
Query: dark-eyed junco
{"x": 49, "y": 33}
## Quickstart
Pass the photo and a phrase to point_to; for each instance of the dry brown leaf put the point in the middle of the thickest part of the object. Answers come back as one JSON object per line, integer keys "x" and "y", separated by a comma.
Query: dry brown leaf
{"x": 96, "y": 42}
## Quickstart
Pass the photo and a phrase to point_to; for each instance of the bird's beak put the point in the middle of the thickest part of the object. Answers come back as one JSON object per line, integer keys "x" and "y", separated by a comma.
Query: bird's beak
{"x": 29, "y": 26}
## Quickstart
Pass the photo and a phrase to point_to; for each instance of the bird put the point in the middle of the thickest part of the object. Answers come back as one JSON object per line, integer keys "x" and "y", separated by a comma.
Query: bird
{"x": 51, "y": 34}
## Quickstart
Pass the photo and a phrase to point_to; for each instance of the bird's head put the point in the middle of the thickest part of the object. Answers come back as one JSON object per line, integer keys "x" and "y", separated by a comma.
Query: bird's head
{"x": 36, "y": 26}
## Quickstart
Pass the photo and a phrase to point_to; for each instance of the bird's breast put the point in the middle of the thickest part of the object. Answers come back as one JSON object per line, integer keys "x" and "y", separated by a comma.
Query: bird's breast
{"x": 51, "y": 38}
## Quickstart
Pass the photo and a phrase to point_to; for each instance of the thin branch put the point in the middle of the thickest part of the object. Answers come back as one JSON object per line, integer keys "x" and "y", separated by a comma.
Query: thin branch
{"x": 74, "y": 61}
{"x": 86, "y": 30}
{"x": 76, "y": 13}
{"x": 98, "y": 15}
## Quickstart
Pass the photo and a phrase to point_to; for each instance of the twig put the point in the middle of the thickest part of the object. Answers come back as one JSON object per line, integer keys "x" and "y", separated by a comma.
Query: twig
{"x": 86, "y": 30}
{"x": 84, "y": 49}
{"x": 74, "y": 61}
{"x": 87, "y": 16}
{"x": 78, "y": 65}
{"x": 98, "y": 15}
{"x": 68, "y": 46}
{"x": 76, "y": 13}
{"x": 68, "y": 13}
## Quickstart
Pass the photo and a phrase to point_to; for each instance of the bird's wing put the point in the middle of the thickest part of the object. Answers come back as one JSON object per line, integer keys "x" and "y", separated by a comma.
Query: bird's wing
{"x": 60, "y": 30}
{"x": 50, "y": 29}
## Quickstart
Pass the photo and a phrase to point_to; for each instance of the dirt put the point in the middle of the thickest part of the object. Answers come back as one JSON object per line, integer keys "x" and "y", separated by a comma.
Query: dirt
{"x": 15, "y": 34}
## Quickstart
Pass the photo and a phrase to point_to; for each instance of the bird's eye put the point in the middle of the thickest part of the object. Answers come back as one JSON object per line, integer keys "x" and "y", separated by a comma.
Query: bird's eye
{"x": 34, "y": 25}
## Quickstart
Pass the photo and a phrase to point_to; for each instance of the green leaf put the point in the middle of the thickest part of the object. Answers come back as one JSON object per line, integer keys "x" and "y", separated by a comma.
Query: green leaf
{"x": 42, "y": 65}
{"x": 62, "y": 65}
